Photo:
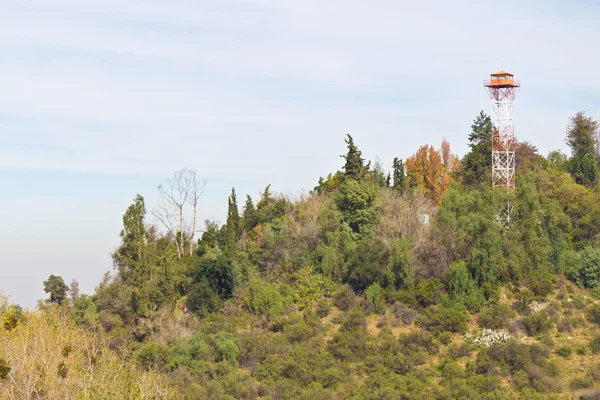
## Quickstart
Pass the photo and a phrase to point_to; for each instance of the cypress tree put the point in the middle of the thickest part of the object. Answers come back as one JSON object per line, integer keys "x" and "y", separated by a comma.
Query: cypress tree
{"x": 233, "y": 220}
{"x": 399, "y": 176}
{"x": 250, "y": 215}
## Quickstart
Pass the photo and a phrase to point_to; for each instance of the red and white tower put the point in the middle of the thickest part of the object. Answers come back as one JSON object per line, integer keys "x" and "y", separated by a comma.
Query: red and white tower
{"x": 502, "y": 89}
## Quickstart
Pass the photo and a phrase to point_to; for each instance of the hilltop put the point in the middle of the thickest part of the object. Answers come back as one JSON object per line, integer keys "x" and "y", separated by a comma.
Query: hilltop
{"x": 376, "y": 285}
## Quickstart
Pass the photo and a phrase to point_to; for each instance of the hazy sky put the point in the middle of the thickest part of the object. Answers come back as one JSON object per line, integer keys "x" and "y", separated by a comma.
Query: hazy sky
{"x": 100, "y": 100}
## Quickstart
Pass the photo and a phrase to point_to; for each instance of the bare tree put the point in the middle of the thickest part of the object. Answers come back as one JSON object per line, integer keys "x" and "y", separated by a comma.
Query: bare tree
{"x": 74, "y": 290}
{"x": 182, "y": 189}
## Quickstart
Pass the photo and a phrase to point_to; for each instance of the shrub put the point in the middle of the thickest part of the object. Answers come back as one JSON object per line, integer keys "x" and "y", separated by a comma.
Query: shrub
{"x": 495, "y": 317}
{"x": 595, "y": 344}
{"x": 537, "y": 323}
{"x": 522, "y": 301}
{"x": 374, "y": 298}
{"x": 403, "y": 315}
{"x": 153, "y": 354}
{"x": 351, "y": 342}
{"x": 323, "y": 309}
{"x": 587, "y": 273}
{"x": 593, "y": 314}
{"x": 226, "y": 348}
{"x": 263, "y": 298}
{"x": 438, "y": 319}
{"x": 542, "y": 284}
{"x": 4, "y": 369}
{"x": 428, "y": 292}
{"x": 462, "y": 288}
{"x": 564, "y": 351}
{"x": 582, "y": 382}
{"x": 344, "y": 298}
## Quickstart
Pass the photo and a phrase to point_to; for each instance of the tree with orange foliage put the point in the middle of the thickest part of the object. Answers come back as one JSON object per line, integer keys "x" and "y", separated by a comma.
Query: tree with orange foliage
{"x": 432, "y": 170}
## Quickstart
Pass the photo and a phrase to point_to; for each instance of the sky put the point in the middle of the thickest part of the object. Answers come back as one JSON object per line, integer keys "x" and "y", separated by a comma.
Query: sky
{"x": 101, "y": 100}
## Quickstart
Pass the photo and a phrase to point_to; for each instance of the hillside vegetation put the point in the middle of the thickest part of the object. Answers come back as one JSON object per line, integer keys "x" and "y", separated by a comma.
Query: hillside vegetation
{"x": 375, "y": 285}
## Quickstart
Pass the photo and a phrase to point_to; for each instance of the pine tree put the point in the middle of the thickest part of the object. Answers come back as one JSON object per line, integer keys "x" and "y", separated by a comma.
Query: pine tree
{"x": 399, "y": 176}
{"x": 250, "y": 215}
{"x": 354, "y": 167}
{"x": 477, "y": 163}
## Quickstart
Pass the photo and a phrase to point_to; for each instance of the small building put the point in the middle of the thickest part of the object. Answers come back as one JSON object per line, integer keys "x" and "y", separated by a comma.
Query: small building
{"x": 501, "y": 79}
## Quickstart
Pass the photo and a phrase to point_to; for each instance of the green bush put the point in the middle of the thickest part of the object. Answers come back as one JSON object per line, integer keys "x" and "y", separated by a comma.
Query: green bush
{"x": 497, "y": 316}
{"x": 344, "y": 298}
{"x": 374, "y": 298}
{"x": 437, "y": 319}
{"x": 463, "y": 289}
{"x": 428, "y": 292}
{"x": 536, "y": 323}
{"x": 226, "y": 348}
{"x": 564, "y": 351}
{"x": 587, "y": 271}
{"x": 582, "y": 382}
{"x": 595, "y": 344}
{"x": 153, "y": 354}
{"x": 542, "y": 284}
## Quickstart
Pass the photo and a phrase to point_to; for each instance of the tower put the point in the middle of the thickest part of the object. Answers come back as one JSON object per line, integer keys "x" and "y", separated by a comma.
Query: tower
{"x": 502, "y": 89}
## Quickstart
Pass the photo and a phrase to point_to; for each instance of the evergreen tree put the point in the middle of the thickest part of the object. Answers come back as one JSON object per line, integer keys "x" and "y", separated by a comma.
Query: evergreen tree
{"x": 233, "y": 221}
{"x": 250, "y": 215}
{"x": 57, "y": 289}
{"x": 477, "y": 163}
{"x": 354, "y": 167}
{"x": 583, "y": 136}
{"x": 399, "y": 176}
{"x": 377, "y": 174}
{"x": 129, "y": 256}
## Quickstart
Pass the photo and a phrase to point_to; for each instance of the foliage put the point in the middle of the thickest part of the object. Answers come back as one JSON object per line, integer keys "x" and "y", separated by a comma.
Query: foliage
{"x": 497, "y": 316}
{"x": 399, "y": 176}
{"x": 57, "y": 289}
{"x": 583, "y": 137}
{"x": 354, "y": 168}
{"x": 437, "y": 319}
{"x": 33, "y": 356}
{"x": 356, "y": 201}
{"x": 477, "y": 163}
{"x": 537, "y": 323}
{"x": 587, "y": 271}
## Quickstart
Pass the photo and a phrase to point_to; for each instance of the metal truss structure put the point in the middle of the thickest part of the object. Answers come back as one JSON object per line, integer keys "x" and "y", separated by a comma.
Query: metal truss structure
{"x": 502, "y": 90}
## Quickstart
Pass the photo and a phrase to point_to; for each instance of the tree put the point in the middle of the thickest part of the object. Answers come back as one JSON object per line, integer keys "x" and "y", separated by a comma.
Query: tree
{"x": 432, "y": 170}
{"x": 477, "y": 163}
{"x": 250, "y": 216}
{"x": 354, "y": 168}
{"x": 399, "y": 176}
{"x": 583, "y": 137}
{"x": 74, "y": 290}
{"x": 128, "y": 257}
{"x": 232, "y": 226}
{"x": 182, "y": 189}
{"x": 378, "y": 174}
{"x": 356, "y": 201}
{"x": 56, "y": 287}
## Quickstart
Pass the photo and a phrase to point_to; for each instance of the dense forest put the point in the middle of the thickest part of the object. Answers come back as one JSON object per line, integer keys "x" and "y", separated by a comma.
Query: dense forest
{"x": 378, "y": 284}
